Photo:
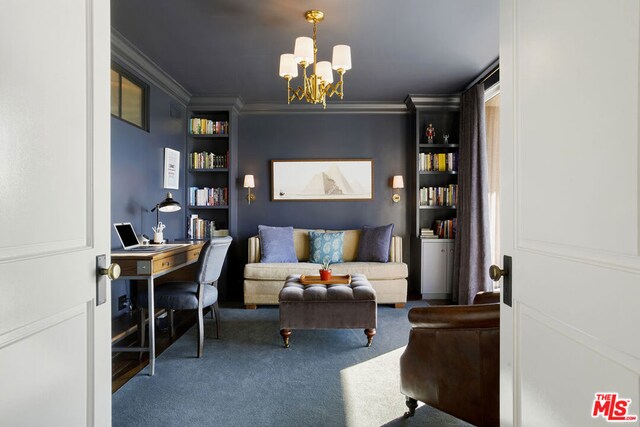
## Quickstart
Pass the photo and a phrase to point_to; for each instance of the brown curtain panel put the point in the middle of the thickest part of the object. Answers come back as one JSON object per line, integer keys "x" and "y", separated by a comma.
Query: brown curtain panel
{"x": 472, "y": 244}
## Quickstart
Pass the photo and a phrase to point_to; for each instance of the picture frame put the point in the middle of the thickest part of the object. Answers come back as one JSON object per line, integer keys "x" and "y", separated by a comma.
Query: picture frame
{"x": 171, "y": 169}
{"x": 322, "y": 180}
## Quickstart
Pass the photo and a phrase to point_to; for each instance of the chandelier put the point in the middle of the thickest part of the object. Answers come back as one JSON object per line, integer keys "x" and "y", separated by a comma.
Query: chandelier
{"x": 319, "y": 85}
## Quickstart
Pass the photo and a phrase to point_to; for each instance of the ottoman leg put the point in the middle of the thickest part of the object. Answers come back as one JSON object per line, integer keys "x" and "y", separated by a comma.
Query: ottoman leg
{"x": 369, "y": 333}
{"x": 412, "y": 404}
{"x": 286, "y": 333}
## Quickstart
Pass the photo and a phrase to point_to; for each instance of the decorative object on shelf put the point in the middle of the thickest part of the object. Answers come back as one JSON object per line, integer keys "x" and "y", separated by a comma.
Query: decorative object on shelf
{"x": 317, "y": 86}
{"x": 167, "y": 205}
{"x": 249, "y": 183}
{"x": 325, "y": 271}
{"x": 397, "y": 183}
{"x": 335, "y": 180}
{"x": 445, "y": 138}
{"x": 430, "y": 133}
{"x": 171, "y": 169}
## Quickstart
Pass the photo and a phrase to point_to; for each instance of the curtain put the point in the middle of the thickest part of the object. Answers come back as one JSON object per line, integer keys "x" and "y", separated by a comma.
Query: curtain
{"x": 492, "y": 114}
{"x": 472, "y": 248}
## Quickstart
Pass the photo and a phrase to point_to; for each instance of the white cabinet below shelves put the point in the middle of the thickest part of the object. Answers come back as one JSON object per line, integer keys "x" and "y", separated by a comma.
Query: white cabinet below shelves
{"x": 436, "y": 268}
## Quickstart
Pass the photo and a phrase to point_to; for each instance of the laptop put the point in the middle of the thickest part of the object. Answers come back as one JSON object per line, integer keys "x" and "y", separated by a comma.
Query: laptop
{"x": 130, "y": 242}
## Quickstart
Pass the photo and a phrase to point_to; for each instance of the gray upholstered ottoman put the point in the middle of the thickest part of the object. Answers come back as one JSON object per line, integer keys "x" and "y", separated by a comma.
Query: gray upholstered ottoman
{"x": 319, "y": 306}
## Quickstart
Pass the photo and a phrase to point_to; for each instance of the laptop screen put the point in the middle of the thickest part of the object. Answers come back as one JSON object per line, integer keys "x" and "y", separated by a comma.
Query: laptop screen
{"x": 127, "y": 234}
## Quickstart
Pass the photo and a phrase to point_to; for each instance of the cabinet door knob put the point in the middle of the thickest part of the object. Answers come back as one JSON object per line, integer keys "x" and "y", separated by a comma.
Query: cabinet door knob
{"x": 496, "y": 273}
{"x": 442, "y": 250}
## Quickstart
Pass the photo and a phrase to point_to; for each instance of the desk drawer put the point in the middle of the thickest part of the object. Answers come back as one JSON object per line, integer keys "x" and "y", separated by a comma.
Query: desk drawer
{"x": 193, "y": 254}
{"x": 169, "y": 262}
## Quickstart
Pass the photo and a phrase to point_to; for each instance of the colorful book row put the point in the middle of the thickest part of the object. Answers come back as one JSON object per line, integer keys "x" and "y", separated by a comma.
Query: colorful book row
{"x": 199, "y": 126}
{"x": 442, "y": 162}
{"x": 439, "y": 196}
{"x": 205, "y": 160}
{"x": 445, "y": 229}
{"x": 206, "y": 196}
{"x": 198, "y": 228}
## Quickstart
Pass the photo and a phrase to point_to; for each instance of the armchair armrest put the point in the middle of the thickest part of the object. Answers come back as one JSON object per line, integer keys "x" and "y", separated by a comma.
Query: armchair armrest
{"x": 455, "y": 317}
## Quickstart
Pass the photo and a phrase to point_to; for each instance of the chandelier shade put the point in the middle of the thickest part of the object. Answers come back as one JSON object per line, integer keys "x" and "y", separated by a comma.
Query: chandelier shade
{"x": 319, "y": 85}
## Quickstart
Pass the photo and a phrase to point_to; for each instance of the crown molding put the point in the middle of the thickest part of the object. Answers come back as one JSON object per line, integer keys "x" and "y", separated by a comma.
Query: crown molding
{"x": 426, "y": 102}
{"x": 125, "y": 53}
{"x": 332, "y": 108}
{"x": 222, "y": 102}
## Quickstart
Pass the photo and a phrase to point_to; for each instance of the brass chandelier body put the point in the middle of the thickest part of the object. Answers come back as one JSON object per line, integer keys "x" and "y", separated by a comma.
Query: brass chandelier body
{"x": 319, "y": 85}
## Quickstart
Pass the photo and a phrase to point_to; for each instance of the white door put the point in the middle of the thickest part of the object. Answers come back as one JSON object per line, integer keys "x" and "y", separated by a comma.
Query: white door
{"x": 570, "y": 211}
{"x": 54, "y": 212}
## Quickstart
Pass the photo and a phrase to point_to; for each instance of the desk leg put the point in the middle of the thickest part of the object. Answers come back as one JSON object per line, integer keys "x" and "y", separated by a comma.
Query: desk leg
{"x": 152, "y": 326}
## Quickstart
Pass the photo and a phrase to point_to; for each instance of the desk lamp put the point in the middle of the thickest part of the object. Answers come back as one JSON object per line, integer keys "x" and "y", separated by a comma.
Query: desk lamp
{"x": 167, "y": 205}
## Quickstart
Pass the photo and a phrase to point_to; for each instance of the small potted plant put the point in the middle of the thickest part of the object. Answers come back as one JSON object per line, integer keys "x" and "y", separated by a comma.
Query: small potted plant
{"x": 325, "y": 271}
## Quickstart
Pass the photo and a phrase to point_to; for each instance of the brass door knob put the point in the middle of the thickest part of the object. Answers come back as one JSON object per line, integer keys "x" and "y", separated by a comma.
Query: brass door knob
{"x": 496, "y": 273}
{"x": 113, "y": 271}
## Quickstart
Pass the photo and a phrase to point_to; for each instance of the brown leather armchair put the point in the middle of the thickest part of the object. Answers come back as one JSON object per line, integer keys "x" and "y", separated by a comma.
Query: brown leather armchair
{"x": 452, "y": 361}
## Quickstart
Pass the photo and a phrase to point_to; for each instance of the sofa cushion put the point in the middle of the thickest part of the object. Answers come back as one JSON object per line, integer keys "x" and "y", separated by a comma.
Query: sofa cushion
{"x": 350, "y": 246}
{"x": 372, "y": 270}
{"x": 279, "y": 271}
{"x": 277, "y": 244}
{"x": 375, "y": 243}
{"x": 325, "y": 247}
{"x": 301, "y": 242}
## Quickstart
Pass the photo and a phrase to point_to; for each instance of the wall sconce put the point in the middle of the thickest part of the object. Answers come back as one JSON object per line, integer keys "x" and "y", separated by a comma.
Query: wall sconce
{"x": 249, "y": 183}
{"x": 398, "y": 182}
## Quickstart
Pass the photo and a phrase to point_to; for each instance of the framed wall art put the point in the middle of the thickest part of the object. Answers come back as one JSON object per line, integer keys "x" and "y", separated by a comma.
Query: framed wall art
{"x": 171, "y": 169}
{"x": 323, "y": 179}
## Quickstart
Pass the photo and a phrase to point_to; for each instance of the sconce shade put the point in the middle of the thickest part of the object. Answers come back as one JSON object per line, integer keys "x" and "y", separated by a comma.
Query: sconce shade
{"x": 288, "y": 66}
{"x": 303, "y": 51}
{"x": 341, "y": 57}
{"x": 398, "y": 182}
{"x": 168, "y": 205}
{"x": 249, "y": 181}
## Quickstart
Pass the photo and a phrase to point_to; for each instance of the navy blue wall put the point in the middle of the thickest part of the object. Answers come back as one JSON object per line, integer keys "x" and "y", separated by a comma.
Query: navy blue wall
{"x": 137, "y": 162}
{"x": 322, "y": 135}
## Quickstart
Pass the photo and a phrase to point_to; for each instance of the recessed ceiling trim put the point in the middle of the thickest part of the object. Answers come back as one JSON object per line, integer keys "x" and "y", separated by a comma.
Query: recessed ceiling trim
{"x": 125, "y": 53}
{"x": 414, "y": 101}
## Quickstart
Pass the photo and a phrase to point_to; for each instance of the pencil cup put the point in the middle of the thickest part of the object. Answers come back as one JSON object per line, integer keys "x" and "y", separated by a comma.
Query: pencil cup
{"x": 158, "y": 237}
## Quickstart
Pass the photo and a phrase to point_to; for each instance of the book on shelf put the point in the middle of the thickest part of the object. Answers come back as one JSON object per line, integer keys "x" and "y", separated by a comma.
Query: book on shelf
{"x": 445, "y": 229}
{"x": 427, "y": 233}
{"x": 198, "y": 228}
{"x": 439, "y": 196}
{"x": 206, "y": 160}
{"x": 438, "y": 162}
{"x": 200, "y": 126}
{"x": 206, "y": 196}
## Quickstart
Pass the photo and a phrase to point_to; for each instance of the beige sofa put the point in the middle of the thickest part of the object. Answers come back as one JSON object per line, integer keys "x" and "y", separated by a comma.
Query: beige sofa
{"x": 263, "y": 281}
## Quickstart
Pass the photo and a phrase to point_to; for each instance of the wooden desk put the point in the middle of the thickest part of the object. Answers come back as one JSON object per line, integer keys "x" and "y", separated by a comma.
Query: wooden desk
{"x": 149, "y": 266}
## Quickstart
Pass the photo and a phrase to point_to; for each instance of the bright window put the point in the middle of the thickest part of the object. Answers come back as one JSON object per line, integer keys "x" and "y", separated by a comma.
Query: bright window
{"x": 129, "y": 98}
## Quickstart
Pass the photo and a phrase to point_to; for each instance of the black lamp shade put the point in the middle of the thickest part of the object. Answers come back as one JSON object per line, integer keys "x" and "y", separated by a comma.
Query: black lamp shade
{"x": 168, "y": 205}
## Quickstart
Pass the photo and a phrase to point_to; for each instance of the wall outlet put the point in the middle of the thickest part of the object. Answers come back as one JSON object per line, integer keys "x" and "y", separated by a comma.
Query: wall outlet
{"x": 122, "y": 302}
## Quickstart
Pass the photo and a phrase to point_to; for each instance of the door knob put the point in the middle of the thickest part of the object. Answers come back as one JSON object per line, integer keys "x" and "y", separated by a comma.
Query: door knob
{"x": 113, "y": 271}
{"x": 496, "y": 273}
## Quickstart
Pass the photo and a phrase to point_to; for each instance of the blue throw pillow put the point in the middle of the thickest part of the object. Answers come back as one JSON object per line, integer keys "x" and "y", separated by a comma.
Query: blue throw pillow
{"x": 276, "y": 244}
{"x": 326, "y": 246}
{"x": 375, "y": 243}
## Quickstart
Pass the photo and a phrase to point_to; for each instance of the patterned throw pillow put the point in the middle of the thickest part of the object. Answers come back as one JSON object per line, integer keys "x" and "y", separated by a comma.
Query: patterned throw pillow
{"x": 323, "y": 246}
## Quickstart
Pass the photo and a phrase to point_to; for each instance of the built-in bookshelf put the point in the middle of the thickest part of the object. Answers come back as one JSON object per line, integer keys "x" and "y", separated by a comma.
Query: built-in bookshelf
{"x": 209, "y": 143}
{"x": 435, "y": 169}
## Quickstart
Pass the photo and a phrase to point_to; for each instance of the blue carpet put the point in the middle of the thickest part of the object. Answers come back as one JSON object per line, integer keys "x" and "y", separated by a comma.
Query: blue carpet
{"x": 247, "y": 378}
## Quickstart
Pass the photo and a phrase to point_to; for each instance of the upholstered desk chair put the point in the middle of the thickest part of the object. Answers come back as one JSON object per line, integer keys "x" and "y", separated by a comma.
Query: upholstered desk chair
{"x": 197, "y": 294}
{"x": 452, "y": 361}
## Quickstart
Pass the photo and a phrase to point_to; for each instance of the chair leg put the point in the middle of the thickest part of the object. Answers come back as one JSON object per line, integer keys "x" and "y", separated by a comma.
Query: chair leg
{"x": 172, "y": 329}
{"x": 412, "y": 404}
{"x": 216, "y": 309}
{"x": 141, "y": 329}
{"x": 200, "y": 330}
